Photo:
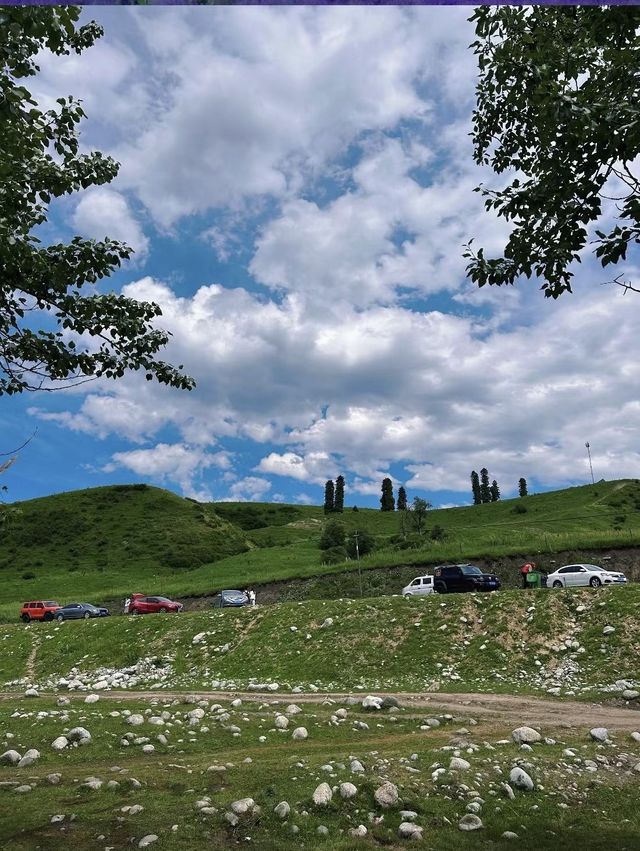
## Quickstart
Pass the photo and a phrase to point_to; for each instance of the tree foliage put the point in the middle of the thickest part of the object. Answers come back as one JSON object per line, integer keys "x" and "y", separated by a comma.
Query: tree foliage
{"x": 361, "y": 545}
{"x": 485, "y": 487}
{"x": 387, "y": 500}
{"x": 494, "y": 491}
{"x": 522, "y": 487}
{"x": 338, "y": 499}
{"x": 329, "y": 496}
{"x": 557, "y": 102}
{"x": 333, "y": 535}
{"x": 418, "y": 514}
{"x": 475, "y": 488}
{"x": 52, "y": 333}
{"x": 402, "y": 499}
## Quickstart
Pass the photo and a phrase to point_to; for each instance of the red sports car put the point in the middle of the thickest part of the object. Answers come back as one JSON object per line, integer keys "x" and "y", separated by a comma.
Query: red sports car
{"x": 141, "y": 605}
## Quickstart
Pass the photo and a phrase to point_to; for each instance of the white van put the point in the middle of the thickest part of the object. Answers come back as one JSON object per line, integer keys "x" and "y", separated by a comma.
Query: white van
{"x": 420, "y": 585}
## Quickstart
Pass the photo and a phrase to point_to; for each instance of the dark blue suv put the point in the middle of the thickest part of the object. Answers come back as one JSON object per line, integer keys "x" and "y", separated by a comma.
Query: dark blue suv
{"x": 451, "y": 578}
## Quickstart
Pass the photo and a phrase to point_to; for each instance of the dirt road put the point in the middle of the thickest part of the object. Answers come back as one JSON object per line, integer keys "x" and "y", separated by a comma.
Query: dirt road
{"x": 499, "y": 708}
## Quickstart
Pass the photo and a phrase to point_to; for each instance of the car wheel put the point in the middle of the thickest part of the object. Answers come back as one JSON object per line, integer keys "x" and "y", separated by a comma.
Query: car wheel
{"x": 25, "y": 618}
{"x": 408, "y": 596}
{"x": 48, "y": 617}
{"x": 441, "y": 588}
{"x": 59, "y": 618}
{"x": 595, "y": 582}
{"x": 86, "y": 616}
{"x": 162, "y": 610}
{"x": 557, "y": 583}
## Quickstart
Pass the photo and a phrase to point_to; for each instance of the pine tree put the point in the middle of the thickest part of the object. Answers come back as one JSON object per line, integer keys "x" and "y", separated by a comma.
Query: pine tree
{"x": 485, "y": 488}
{"x": 495, "y": 491}
{"x": 338, "y": 500}
{"x": 387, "y": 501}
{"x": 402, "y": 499}
{"x": 522, "y": 487}
{"x": 475, "y": 488}
{"x": 329, "y": 497}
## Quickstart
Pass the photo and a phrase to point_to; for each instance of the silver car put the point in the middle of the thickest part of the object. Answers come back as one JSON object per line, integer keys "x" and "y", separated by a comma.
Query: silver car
{"x": 577, "y": 575}
{"x": 419, "y": 586}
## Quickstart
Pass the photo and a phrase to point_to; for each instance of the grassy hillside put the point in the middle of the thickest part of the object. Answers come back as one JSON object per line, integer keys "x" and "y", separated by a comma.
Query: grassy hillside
{"x": 513, "y": 641}
{"x": 105, "y": 542}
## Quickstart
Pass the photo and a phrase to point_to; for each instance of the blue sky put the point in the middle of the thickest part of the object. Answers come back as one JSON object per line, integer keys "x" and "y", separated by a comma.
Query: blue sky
{"x": 298, "y": 185}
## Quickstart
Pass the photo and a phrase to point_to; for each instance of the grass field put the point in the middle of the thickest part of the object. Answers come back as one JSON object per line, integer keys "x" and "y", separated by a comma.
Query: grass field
{"x": 185, "y": 787}
{"x": 104, "y": 543}
{"x": 513, "y": 641}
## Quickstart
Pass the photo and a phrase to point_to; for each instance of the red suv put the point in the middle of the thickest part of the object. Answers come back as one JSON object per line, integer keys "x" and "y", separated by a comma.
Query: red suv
{"x": 40, "y": 610}
{"x": 141, "y": 605}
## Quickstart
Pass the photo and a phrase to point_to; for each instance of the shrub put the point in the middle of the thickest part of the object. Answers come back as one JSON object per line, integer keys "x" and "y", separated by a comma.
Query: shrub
{"x": 334, "y": 555}
{"x": 366, "y": 544}
{"x": 333, "y": 535}
{"x": 28, "y": 575}
{"x": 519, "y": 508}
{"x": 438, "y": 533}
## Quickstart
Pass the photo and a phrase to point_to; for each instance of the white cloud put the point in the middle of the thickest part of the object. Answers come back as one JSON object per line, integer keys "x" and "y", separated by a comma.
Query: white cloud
{"x": 103, "y": 212}
{"x": 249, "y": 489}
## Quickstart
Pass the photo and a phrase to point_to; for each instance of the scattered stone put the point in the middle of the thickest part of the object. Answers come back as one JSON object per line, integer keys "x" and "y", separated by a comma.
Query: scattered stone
{"x": 458, "y": 764}
{"x": 24, "y": 788}
{"x": 242, "y": 806}
{"x": 357, "y": 767}
{"x": 300, "y": 733}
{"x": 608, "y": 630}
{"x": 599, "y": 734}
{"x": 60, "y": 743}
{"x": 80, "y": 735}
{"x": 10, "y": 757}
{"x": 521, "y": 779}
{"x": 630, "y": 694}
{"x": 358, "y": 832}
{"x": 409, "y": 830}
{"x": 371, "y": 702}
{"x": 509, "y": 834}
{"x": 57, "y": 819}
{"x": 525, "y": 736}
{"x": 135, "y": 720}
{"x": 386, "y": 795}
{"x": 470, "y": 822}
{"x": 93, "y": 783}
{"x": 147, "y": 840}
{"x": 322, "y": 795}
{"x": 31, "y": 692}
{"x": 92, "y": 698}
{"x": 29, "y": 758}
{"x": 348, "y": 791}
{"x": 282, "y": 810}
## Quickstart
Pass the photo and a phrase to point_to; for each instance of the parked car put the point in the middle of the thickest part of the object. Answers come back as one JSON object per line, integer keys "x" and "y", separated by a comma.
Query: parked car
{"x": 419, "y": 586}
{"x": 71, "y": 611}
{"x": 142, "y": 605}
{"x": 39, "y": 610}
{"x": 230, "y": 598}
{"x": 578, "y": 575}
{"x": 451, "y": 578}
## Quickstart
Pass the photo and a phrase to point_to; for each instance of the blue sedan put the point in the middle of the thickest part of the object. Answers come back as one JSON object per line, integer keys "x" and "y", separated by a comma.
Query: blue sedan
{"x": 231, "y": 599}
{"x": 80, "y": 610}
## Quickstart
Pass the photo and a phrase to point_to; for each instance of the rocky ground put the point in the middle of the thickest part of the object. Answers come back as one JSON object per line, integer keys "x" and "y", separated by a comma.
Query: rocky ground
{"x": 360, "y": 772}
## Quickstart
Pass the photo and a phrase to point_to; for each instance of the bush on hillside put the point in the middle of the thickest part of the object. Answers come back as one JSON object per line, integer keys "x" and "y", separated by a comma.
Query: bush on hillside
{"x": 519, "y": 509}
{"x": 334, "y": 555}
{"x": 437, "y": 533}
{"x": 366, "y": 544}
{"x": 333, "y": 535}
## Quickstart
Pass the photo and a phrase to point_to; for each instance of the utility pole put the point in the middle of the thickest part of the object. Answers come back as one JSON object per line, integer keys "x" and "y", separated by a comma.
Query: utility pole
{"x": 593, "y": 481}
{"x": 355, "y": 536}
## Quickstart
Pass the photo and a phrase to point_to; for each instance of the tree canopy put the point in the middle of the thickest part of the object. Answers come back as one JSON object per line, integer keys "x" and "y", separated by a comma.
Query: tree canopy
{"x": 557, "y": 103}
{"x": 52, "y": 332}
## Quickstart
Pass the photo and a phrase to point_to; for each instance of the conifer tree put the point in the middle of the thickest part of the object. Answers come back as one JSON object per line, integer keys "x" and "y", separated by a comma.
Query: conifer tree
{"x": 402, "y": 499}
{"x": 522, "y": 487}
{"x": 485, "y": 488}
{"x": 338, "y": 499}
{"x": 387, "y": 501}
{"x": 329, "y": 497}
{"x": 495, "y": 491}
{"x": 475, "y": 488}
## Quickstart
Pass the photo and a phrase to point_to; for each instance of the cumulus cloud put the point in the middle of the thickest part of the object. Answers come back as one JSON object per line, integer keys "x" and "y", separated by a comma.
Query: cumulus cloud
{"x": 249, "y": 489}
{"x": 103, "y": 212}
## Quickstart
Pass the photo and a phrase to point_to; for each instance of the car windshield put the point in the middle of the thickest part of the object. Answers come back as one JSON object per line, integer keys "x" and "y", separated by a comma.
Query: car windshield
{"x": 162, "y": 600}
{"x": 50, "y": 603}
{"x": 594, "y": 567}
{"x": 232, "y": 593}
{"x": 89, "y": 606}
{"x": 470, "y": 570}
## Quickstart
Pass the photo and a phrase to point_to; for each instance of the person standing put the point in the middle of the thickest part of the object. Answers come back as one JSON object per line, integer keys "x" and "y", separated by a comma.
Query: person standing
{"x": 127, "y": 603}
{"x": 524, "y": 570}
{"x": 252, "y": 597}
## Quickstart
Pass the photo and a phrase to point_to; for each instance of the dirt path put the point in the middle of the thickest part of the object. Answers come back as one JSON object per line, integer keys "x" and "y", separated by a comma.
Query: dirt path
{"x": 516, "y": 709}
{"x": 30, "y": 665}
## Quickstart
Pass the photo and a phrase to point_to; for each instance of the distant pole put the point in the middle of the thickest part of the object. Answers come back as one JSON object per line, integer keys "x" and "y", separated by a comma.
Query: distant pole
{"x": 355, "y": 535}
{"x": 593, "y": 481}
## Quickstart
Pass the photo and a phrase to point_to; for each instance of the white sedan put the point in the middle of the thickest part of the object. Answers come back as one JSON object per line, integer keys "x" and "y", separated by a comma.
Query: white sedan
{"x": 419, "y": 586}
{"x": 574, "y": 575}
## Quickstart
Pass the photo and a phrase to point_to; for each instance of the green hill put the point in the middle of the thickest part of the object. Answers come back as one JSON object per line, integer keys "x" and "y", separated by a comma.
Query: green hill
{"x": 103, "y": 543}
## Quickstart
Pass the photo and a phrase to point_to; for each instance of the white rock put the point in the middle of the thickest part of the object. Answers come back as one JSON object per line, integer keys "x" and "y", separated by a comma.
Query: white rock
{"x": 93, "y": 783}
{"x": 358, "y": 832}
{"x": 80, "y": 735}
{"x": 608, "y": 630}
{"x": 147, "y": 840}
{"x": 300, "y": 733}
{"x": 148, "y": 749}
{"x": 198, "y": 638}
{"x": 470, "y": 822}
{"x": 635, "y": 736}
{"x": 409, "y": 830}
{"x": 242, "y": 806}
{"x": 521, "y": 779}
{"x": 292, "y": 709}
{"x": 322, "y": 795}
{"x": 24, "y": 788}
{"x": 509, "y": 834}
{"x": 10, "y": 757}
{"x": 92, "y": 698}
{"x": 458, "y": 764}
{"x": 630, "y": 694}
{"x": 31, "y": 692}
{"x": 327, "y": 622}
{"x": 525, "y": 735}
{"x": 57, "y": 819}
{"x": 135, "y": 720}
{"x": 29, "y": 758}
{"x": 282, "y": 810}
{"x": 348, "y": 791}
{"x": 372, "y": 702}
{"x": 599, "y": 734}
{"x": 281, "y": 722}
{"x": 386, "y": 795}
{"x": 356, "y": 767}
